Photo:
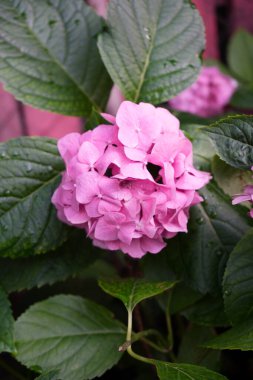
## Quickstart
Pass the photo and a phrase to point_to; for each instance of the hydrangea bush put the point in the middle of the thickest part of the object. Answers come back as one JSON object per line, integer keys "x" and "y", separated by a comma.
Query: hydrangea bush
{"x": 143, "y": 203}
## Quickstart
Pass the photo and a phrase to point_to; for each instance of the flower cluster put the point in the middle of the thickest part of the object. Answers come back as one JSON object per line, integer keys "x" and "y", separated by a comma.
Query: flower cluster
{"x": 208, "y": 96}
{"x": 246, "y": 196}
{"x": 129, "y": 184}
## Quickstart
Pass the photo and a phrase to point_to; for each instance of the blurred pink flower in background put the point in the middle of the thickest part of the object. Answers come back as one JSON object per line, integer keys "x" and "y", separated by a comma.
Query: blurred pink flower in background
{"x": 208, "y": 96}
{"x": 129, "y": 185}
{"x": 246, "y": 196}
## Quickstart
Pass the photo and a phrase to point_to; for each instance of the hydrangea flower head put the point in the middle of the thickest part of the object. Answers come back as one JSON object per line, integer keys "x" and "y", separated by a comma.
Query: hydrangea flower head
{"x": 129, "y": 184}
{"x": 208, "y": 96}
{"x": 246, "y": 196}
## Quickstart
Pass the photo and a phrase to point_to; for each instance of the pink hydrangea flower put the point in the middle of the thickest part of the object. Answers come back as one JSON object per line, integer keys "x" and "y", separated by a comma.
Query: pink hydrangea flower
{"x": 208, "y": 96}
{"x": 130, "y": 184}
{"x": 246, "y": 196}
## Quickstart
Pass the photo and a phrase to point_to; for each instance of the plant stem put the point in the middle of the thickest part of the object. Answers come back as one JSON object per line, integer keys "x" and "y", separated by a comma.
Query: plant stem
{"x": 10, "y": 370}
{"x": 155, "y": 346}
{"x": 139, "y": 357}
{"x": 169, "y": 326}
{"x": 142, "y": 336}
{"x": 129, "y": 326}
{"x": 129, "y": 340}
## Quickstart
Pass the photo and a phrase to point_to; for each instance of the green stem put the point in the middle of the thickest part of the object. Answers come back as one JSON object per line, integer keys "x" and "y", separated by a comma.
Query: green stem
{"x": 142, "y": 336}
{"x": 154, "y": 345}
{"x": 148, "y": 332}
{"x": 139, "y": 357}
{"x": 9, "y": 369}
{"x": 169, "y": 325}
{"x": 129, "y": 326}
{"x": 129, "y": 340}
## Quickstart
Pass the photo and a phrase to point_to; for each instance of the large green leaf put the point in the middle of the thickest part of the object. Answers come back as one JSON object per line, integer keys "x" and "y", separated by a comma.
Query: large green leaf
{"x": 229, "y": 179}
{"x": 215, "y": 228}
{"x": 49, "y": 56}
{"x": 233, "y": 140}
{"x": 30, "y": 170}
{"x": 132, "y": 291}
{"x": 209, "y": 311}
{"x": 182, "y": 298}
{"x": 152, "y": 48}
{"x": 240, "y": 337}
{"x": 72, "y": 258}
{"x": 175, "y": 371}
{"x": 6, "y": 324}
{"x": 193, "y": 338}
{"x": 49, "y": 375}
{"x": 240, "y": 55}
{"x": 70, "y": 334}
{"x": 238, "y": 281}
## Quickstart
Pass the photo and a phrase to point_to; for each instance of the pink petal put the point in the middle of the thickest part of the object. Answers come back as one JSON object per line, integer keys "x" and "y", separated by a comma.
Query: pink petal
{"x": 105, "y": 231}
{"x": 126, "y": 232}
{"x": 127, "y": 119}
{"x": 86, "y": 187}
{"x": 152, "y": 245}
{"x": 134, "y": 249}
{"x": 107, "y": 205}
{"x": 136, "y": 170}
{"x": 108, "y": 117}
{"x": 88, "y": 153}
{"x": 193, "y": 180}
{"x": 135, "y": 154}
{"x": 92, "y": 208}
{"x": 75, "y": 216}
{"x": 68, "y": 146}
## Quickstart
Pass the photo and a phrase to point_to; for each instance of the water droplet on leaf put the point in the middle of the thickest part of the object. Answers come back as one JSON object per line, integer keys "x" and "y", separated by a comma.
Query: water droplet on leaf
{"x": 200, "y": 220}
{"x": 28, "y": 167}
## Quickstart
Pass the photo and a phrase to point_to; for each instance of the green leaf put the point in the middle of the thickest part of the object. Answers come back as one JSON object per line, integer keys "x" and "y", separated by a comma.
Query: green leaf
{"x": 49, "y": 375}
{"x": 193, "y": 338}
{"x": 152, "y": 48}
{"x": 70, "y": 334}
{"x": 209, "y": 311}
{"x": 175, "y": 371}
{"x": 202, "y": 149}
{"x": 30, "y": 170}
{"x": 240, "y": 55}
{"x": 132, "y": 291}
{"x": 238, "y": 281}
{"x": 72, "y": 258}
{"x": 49, "y": 56}
{"x": 233, "y": 140}
{"x": 243, "y": 98}
{"x": 229, "y": 179}
{"x": 240, "y": 337}
{"x": 183, "y": 297}
{"x": 6, "y": 324}
{"x": 215, "y": 227}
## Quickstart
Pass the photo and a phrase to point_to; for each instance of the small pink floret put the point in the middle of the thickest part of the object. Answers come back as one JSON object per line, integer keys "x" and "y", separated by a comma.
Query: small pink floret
{"x": 246, "y": 196}
{"x": 208, "y": 96}
{"x": 129, "y": 185}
